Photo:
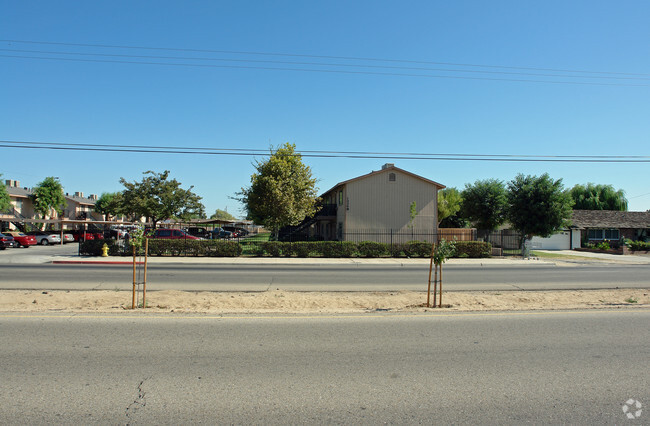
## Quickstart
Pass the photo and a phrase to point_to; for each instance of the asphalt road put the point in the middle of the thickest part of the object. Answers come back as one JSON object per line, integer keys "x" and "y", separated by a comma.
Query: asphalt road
{"x": 498, "y": 368}
{"x": 347, "y": 277}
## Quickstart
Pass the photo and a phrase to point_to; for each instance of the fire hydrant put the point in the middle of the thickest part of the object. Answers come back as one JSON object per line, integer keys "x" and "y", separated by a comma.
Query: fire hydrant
{"x": 105, "y": 250}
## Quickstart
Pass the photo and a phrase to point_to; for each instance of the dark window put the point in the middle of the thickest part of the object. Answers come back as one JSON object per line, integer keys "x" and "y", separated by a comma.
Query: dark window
{"x": 391, "y": 177}
{"x": 164, "y": 233}
{"x": 603, "y": 234}
{"x": 340, "y": 198}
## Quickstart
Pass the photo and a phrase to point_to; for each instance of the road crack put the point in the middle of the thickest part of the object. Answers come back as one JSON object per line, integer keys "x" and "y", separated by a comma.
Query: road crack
{"x": 139, "y": 402}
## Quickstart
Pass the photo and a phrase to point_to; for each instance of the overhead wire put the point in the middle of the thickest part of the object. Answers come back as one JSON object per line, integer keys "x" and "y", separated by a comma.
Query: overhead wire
{"x": 237, "y": 52}
{"x": 326, "y": 154}
{"x": 351, "y": 69}
{"x": 319, "y": 63}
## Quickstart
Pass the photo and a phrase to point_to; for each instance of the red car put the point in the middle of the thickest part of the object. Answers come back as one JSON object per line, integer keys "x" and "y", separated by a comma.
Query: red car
{"x": 173, "y": 234}
{"x": 81, "y": 235}
{"x": 21, "y": 239}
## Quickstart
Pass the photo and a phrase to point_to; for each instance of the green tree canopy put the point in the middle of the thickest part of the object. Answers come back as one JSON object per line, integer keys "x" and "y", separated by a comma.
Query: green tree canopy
{"x": 484, "y": 203}
{"x": 598, "y": 197}
{"x": 538, "y": 205}
{"x": 449, "y": 200}
{"x": 222, "y": 215}
{"x": 158, "y": 198}
{"x": 48, "y": 197}
{"x": 109, "y": 204}
{"x": 5, "y": 200}
{"x": 282, "y": 190}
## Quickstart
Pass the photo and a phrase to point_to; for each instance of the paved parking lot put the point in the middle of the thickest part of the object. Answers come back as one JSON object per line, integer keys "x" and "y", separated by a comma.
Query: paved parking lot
{"x": 38, "y": 254}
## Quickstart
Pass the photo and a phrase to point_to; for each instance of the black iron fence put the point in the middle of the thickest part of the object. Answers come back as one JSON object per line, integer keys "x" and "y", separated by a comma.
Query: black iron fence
{"x": 503, "y": 243}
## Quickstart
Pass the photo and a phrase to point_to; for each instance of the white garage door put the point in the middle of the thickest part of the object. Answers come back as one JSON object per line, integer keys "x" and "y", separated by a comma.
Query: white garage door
{"x": 559, "y": 241}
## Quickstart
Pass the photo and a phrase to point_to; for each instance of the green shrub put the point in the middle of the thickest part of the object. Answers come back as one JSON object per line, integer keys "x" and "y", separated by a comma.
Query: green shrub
{"x": 337, "y": 249}
{"x": 638, "y": 245}
{"x": 271, "y": 248}
{"x": 299, "y": 248}
{"x": 224, "y": 249}
{"x": 94, "y": 247}
{"x": 372, "y": 249}
{"x": 603, "y": 245}
{"x": 473, "y": 249}
{"x": 419, "y": 248}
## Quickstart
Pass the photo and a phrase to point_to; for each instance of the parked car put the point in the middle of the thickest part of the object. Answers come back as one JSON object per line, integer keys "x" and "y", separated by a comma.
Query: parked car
{"x": 219, "y": 233}
{"x": 6, "y": 241}
{"x": 173, "y": 234}
{"x": 21, "y": 239}
{"x": 81, "y": 235}
{"x": 236, "y": 231}
{"x": 45, "y": 238}
{"x": 67, "y": 236}
{"x": 97, "y": 235}
{"x": 198, "y": 232}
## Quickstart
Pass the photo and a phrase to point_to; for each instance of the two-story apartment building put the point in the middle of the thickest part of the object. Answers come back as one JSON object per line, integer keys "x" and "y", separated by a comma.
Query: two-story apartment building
{"x": 390, "y": 204}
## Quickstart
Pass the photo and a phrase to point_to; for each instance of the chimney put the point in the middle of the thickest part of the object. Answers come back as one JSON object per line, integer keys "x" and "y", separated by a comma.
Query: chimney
{"x": 387, "y": 166}
{"x": 9, "y": 183}
{"x": 17, "y": 183}
{"x": 93, "y": 196}
{"x": 79, "y": 194}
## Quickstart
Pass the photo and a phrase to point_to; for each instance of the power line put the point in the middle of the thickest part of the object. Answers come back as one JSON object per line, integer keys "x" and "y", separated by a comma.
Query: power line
{"x": 321, "y": 64}
{"x": 236, "y": 52}
{"x": 325, "y": 154}
{"x": 392, "y": 74}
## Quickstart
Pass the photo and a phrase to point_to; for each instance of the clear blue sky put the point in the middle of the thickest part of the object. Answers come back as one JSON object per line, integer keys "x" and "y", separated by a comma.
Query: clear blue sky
{"x": 366, "y": 109}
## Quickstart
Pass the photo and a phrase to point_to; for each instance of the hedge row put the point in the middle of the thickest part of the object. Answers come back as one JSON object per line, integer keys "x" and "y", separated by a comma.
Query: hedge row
{"x": 219, "y": 248}
{"x": 212, "y": 248}
{"x": 638, "y": 245}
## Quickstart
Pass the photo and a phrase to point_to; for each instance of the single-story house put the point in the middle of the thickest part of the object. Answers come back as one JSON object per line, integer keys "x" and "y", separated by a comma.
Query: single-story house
{"x": 600, "y": 225}
{"x": 594, "y": 226}
{"x": 387, "y": 205}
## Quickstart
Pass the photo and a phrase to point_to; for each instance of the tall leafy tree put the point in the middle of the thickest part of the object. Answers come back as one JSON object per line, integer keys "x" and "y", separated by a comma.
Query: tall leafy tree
{"x": 222, "y": 215}
{"x": 282, "y": 190}
{"x": 598, "y": 197}
{"x": 5, "y": 200}
{"x": 484, "y": 203}
{"x": 109, "y": 204}
{"x": 449, "y": 200}
{"x": 538, "y": 205}
{"x": 157, "y": 198}
{"x": 48, "y": 197}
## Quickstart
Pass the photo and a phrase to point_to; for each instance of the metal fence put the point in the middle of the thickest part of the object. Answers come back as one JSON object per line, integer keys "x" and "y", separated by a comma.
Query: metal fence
{"x": 504, "y": 242}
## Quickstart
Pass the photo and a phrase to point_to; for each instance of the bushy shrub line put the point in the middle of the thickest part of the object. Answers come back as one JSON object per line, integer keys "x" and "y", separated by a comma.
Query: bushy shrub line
{"x": 212, "y": 248}
{"x": 220, "y": 248}
{"x": 369, "y": 249}
{"x": 638, "y": 245}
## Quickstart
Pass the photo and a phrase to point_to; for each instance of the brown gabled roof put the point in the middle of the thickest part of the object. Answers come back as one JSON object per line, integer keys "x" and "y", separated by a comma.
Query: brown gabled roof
{"x": 610, "y": 219}
{"x": 386, "y": 169}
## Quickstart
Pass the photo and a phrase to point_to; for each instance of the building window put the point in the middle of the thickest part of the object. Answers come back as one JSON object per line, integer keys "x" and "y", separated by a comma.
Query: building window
{"x": 391, "y": 177}
{"x": 603, "y": 234}
{"x": 340, "y": 198}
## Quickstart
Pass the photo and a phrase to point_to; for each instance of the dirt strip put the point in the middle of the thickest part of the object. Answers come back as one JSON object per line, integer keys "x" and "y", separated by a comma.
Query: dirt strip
{"x": 316, "y": 302}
